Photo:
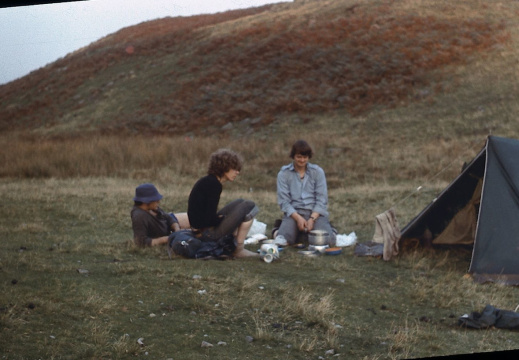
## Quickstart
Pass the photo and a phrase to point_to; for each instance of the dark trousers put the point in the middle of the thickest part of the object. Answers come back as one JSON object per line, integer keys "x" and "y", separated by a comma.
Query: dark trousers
{"x": 288, "y": 228}
{"x": 234, "y": 213}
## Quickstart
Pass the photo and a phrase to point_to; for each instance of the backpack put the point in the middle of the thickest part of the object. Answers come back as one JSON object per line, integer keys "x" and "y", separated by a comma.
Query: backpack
{"x": 186, "y": 244}
{"x": 221, "y": 249}
{"x": 183, "y": 243}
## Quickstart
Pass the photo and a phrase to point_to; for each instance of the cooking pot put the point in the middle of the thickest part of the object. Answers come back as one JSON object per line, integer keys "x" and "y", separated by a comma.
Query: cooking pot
{"x": 318, "y": 237}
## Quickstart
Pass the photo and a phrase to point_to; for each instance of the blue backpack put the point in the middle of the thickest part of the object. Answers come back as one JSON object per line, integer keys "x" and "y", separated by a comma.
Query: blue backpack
{"x": 186, "y": 244}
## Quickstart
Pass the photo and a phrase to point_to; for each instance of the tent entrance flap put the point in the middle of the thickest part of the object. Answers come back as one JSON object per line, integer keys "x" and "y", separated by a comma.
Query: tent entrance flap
{"x": 463, "y": 193}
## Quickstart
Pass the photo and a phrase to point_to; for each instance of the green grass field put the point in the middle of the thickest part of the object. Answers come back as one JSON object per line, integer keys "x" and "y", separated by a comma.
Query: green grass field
{"x": 73, "y": 286}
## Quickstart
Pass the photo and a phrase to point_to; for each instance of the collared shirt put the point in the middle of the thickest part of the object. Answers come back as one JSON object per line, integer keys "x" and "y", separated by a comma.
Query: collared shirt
{"x": 309, "y": 193}
{"x": 147, "y": 227}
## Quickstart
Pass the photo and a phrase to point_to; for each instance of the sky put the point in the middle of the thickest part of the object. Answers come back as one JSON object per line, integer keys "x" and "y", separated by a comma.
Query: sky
{"x": 34, "y": 36}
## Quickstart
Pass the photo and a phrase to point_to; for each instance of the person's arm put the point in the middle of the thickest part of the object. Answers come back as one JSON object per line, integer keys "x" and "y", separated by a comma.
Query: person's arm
{"x": 285, "y": 200}
{"x": 172, "y": 221}
{"x": 203, "y": 203}
{"x": 310, "y": 223}
{"x": 159, "y": 241}
{"x": 211, "y": 209}
{"x": 302, "y": 224}
{"x": 142, "y": 239}
{"x": 140, "y": 231}
{"x": 321, "y": 195}
{"x": 283, "y": 194}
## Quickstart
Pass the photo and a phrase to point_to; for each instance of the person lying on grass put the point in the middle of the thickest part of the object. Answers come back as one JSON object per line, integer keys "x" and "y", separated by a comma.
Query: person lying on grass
{"x": 152, "y": 225}
{"x": 302, "y": 195}
{"x": 234, "y": 218}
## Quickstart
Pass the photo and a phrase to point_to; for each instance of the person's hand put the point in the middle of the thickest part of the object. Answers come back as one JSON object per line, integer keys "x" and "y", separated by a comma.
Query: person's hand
{"x": 302, "y": 224}
{"x": 310, "y": 224}
{"x": 159, "y": 241}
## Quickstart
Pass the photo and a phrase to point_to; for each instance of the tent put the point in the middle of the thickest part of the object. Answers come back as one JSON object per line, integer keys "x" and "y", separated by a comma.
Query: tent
{"x": 479, "y": 208}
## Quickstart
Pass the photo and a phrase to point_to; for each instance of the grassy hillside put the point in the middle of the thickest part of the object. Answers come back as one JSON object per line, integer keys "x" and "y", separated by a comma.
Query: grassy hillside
{"x": 254, "y": 67}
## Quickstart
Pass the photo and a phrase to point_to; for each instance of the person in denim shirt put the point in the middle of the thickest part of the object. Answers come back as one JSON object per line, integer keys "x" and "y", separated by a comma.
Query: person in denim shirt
{"x": 302, "y": 195}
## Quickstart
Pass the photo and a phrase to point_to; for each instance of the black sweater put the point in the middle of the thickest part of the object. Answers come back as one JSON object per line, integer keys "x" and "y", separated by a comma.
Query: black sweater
{"x": 203, "y": 202}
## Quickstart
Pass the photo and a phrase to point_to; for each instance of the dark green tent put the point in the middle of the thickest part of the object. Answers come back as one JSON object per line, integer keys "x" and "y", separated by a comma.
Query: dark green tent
{"x": 479, "y": 208}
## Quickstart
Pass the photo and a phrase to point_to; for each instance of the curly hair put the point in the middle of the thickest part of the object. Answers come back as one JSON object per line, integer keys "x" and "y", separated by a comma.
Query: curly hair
{"x": 223, "y": 160}
{"x": 301, "y": 147}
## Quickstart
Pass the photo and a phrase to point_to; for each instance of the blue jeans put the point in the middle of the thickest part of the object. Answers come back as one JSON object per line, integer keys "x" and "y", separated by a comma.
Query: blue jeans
{"x": 234, "y": 213}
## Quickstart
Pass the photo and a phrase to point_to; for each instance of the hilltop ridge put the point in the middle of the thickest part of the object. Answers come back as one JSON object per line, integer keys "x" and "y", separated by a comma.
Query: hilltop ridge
{"x": 207, "y": 73}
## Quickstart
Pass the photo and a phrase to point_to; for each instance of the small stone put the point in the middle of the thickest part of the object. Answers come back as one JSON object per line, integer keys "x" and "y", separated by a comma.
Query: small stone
{"x": 249, "y": 339}
{"x": 222, "y": 343}
{"x": 206, "y": 344}
{"x": 228, "y": 126}
{"x": 329, "y": 352}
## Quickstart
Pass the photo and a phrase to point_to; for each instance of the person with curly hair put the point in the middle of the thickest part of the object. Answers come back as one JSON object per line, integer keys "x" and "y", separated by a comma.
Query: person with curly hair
{"x": 235, "y": 218}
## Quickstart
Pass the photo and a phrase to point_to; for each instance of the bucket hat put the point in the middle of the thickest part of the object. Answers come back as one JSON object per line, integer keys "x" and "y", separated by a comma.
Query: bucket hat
{"x": 147, "y": 193}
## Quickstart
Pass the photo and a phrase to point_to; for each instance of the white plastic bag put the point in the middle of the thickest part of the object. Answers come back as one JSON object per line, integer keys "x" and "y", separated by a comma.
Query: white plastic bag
{"x": 255, "y": 239}
{"x": 257, "y": 228}
{"x": 346, "y": 240}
